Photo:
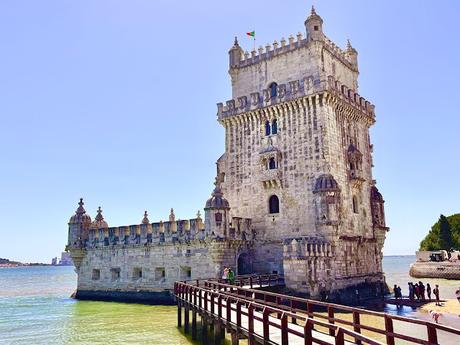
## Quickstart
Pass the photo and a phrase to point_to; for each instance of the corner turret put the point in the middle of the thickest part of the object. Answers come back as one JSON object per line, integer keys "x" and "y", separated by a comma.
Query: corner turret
{"x": 79, "y": 224}
{"x": 314, "y": 26}
{"x": 217, "y": 213}
{"x": 352, "y": 54}
{"x": 235, "y": 54}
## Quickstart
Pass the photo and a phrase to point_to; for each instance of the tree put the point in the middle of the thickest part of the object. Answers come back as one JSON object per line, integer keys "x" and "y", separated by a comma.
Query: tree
{"x": 433, "y": 240}
{"x": 445, "y": 234}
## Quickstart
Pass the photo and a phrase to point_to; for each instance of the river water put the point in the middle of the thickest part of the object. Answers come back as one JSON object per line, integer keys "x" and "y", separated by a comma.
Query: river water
{"x": 35, "y": 308}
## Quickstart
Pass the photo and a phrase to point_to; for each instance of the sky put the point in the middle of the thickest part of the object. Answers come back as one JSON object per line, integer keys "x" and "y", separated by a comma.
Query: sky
{"x": 115, "y": 101}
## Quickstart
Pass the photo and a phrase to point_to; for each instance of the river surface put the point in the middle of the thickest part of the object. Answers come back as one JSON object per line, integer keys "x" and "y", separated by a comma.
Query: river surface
{"x": 35, "y": 308}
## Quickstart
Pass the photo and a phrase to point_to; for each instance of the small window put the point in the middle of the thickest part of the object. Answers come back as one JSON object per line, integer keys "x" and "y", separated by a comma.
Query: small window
{"x": 137, "y": 273}
{"x": 267, "y": 128}
{"x": 274, "y": 204}
{"x": 185, "y": 272}
{"x": 272, "y": 164}
{"x": 96, "y": 275}
{"x": 274, "y": 126}
{"x": 316, "y": 27}
{"x": 355, "y": 204}
{"x": 115, "y": 272}
{"x": 273, "y": 90}
{"x": 160, "y": 273}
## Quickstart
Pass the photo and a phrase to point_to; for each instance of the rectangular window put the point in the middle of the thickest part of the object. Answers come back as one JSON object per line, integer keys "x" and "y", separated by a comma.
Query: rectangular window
{"x": 137, "y": 273}
{"x": 160, "y": 273}
{"x": 96, "y": 275}
{"x": 185, "y": 272}
{"x": 115, "y": 272}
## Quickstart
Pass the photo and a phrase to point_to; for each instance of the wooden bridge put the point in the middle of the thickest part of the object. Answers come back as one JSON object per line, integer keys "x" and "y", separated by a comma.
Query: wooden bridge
{"x": 264, "y": 317}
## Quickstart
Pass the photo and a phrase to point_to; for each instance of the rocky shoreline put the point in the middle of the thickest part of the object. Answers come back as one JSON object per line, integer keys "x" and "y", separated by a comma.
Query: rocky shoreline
{"x": 444, "y": 269}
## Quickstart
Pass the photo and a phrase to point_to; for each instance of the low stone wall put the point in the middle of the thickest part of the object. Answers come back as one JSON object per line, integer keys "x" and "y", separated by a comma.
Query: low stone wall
{"x": 145, "y": 297}
{"x": 445, "y": 270}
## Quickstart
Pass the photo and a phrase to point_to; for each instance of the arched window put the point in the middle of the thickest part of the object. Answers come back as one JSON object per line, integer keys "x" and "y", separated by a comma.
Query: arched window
{"x": 272, "y": 163}
{"x": 267, "y": 128}
{"x": 355, "y": 204}
{"x": 274, "y": 126}
{"x": 273, "y": 90}
{"x": 274, "y": 204}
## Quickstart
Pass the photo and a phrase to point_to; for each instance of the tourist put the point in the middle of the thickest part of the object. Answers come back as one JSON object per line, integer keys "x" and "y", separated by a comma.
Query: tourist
{"x": 428, "y": 291}
{"x": 435, "y": 315}
{"x": 457, "y": 294}
{"x": 421, "y": 290}
{"x": 417, "y": 291}
{"x": 399, "y": 292}
{"x": 395, "y": 290}
{"x": 231, "y": 276}
{"x": 436, "y": 294}
{"x": 225, "y": 275}
{"x": 411, "y": 291}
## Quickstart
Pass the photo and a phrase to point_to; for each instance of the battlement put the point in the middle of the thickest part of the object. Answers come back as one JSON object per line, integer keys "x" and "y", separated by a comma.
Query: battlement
{"x": 175, "y": 232}
{"x": 293, "y": 90}
{"x": 275, "y": 49}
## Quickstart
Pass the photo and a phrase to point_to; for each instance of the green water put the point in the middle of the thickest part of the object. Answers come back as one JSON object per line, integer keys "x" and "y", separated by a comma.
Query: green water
{"x": 35, "y": 308}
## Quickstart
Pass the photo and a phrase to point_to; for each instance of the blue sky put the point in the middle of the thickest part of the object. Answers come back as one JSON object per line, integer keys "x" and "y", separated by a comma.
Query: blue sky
{"x": 115, "y": 101}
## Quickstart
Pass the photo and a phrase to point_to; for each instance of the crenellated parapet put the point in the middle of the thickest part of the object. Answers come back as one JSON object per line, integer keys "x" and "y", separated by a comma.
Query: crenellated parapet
{"x": 157, "y": 233}
{"x": 283, "y": 47}
{"x": 301, "y": 89}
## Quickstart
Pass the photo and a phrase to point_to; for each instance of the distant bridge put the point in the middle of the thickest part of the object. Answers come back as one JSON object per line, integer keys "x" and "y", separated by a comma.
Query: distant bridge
{"x": 264, "y": 317}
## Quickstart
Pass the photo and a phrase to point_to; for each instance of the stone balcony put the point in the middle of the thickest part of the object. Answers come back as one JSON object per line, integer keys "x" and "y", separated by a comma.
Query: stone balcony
{"x": 271, "y": 178}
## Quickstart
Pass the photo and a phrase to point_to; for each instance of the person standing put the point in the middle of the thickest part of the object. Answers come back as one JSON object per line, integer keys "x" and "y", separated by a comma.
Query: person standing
{"x": 422, "y": 290}
{"x": 428, "y": 291}
{"x": 457, "y": 294}
{"x": 411, "y": 291}
{"x": 436, "y": 294}
{"x": 417, "y": 291}
{"x": 395, "y": 290}
{"x": 225, "y": 275}
{"x": 231, "y": 276}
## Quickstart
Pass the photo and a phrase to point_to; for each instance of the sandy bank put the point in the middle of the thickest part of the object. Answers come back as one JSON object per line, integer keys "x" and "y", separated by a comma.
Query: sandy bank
{"x": 450, "y": 306}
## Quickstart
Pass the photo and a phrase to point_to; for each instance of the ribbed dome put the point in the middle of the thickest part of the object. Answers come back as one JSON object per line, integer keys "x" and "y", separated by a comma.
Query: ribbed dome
{"x": 80, "y": 215}
{"x": 375, "y": 194}
{"x": 326, "y": 183}
{"x": 99, "y": 222}
{"x": 217, "y": 199}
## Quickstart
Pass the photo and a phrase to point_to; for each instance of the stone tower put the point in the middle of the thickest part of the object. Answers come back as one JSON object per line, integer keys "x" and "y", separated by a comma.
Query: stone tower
{"x": 298, "y": 162}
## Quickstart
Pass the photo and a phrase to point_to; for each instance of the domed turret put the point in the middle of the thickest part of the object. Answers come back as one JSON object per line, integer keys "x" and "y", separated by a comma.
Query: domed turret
{"x": 217, "y": 213}
{"x": 326, "y": 183}
{"x": 80, "y": 216}
{"x": 217, "y": 200}
{"x": 377, "y": 208}
{"x": 314, "y": 26}
{"x": 99, "y": 222}
{"x": 145, "y": 220}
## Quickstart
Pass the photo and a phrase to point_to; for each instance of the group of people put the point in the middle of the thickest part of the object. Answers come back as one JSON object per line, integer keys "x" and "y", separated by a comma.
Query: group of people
{"x": 418, "y": 291}
{"x": 228, "y": 276}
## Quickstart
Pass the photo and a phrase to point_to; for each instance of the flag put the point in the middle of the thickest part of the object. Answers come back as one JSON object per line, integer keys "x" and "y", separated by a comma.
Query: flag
{"x": 251, "y": 34}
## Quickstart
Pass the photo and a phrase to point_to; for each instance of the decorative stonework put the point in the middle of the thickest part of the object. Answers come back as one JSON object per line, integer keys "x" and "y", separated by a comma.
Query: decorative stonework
{"x": 294, "y": 191}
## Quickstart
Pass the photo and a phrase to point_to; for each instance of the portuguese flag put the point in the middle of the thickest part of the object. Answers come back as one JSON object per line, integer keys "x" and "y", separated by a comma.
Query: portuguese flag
{"x": 251, "y": 34}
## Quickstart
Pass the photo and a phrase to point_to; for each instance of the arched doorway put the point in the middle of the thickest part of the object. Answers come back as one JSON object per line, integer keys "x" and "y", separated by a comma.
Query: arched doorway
{"x": 244, "y": 264}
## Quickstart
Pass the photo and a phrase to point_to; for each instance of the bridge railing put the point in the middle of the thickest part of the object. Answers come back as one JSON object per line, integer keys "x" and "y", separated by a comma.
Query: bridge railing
{"x": 211, "y": 303}
{"x": 297, "y": 305}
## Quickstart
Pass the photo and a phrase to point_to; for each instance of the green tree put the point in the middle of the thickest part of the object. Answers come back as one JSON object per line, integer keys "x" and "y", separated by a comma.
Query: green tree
{"x": 433, "y": 240}
{"x": 445, "y": 233}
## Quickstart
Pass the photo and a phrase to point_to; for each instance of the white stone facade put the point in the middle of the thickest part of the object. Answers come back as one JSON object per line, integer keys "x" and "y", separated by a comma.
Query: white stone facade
{"x": 297, "y": 179}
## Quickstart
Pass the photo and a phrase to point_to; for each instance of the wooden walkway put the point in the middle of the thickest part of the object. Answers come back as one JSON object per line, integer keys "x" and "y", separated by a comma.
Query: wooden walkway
{"x": 264, "y": 317}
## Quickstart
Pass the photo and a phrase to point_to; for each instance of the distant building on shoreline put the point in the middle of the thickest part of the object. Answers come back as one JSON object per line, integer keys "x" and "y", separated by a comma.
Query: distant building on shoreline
{"x": 66, "y": 260}
{"x": 300, "y": 199}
